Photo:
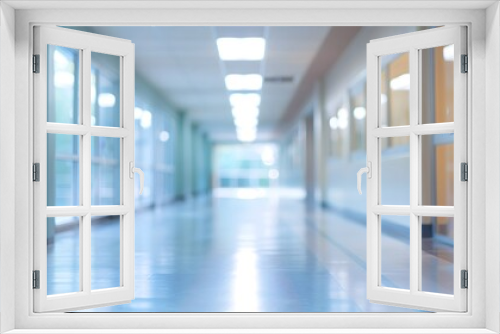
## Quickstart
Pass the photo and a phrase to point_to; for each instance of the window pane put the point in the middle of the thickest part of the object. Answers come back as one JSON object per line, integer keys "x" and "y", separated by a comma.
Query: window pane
{"x": 437, "y": 84}
{"x": 437, "y": 169}
{"x": 395, "y": 251}
{"x": 105, "y": 90}
{"x": 63, "y": 255}
{"x": 105, "y": 171}
{"x": 394, "y": 90}
{"x": 437, "y": 254}
{"x": 395, "y": 173}
{"x": 63, "y": 170}
{"x": 105, "y": 253}
{"x": 63, "y": 85}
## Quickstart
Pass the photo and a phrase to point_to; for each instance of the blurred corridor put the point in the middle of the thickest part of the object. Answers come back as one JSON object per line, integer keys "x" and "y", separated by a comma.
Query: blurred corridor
{"x": 249, "y": 214}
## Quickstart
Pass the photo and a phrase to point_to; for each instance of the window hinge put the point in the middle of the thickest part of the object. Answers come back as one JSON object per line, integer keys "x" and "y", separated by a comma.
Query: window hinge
{"x": 465, "y": 279}
{"x": 465, "y": 64}
{"x": 36, "y": 63}
{"x": 464, "y": 171}
{"x": 36, "y": 172}
{"x": 36, "y": 279}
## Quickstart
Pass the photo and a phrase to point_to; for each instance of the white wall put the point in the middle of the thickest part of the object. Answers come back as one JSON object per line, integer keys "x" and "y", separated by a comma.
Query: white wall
{"x": 7, "y": 160}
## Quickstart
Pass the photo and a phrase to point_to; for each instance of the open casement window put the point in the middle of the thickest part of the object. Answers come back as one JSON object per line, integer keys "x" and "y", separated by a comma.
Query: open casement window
{"x": 416, "y": 112}
{"x": 83, "y": 168}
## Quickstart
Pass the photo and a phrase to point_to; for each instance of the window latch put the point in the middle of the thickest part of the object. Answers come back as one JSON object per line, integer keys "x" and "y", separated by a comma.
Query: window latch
{"x": 368, "y": 171}
{"x": 133, "y": 170}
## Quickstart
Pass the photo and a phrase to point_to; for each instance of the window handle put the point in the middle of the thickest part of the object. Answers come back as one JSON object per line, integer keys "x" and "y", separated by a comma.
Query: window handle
{"x": 368, "y": 171}
{"x": 133, "y": 170}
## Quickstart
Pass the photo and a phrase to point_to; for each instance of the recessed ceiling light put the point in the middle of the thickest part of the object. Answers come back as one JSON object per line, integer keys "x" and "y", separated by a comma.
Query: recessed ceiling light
{"x": 241, "y": 112}
{"x": 246, "y": 135}
{"x": 241, "y": 48}
{"x": 246, "y": 122}
{"x": 244, "y": 100}
{"x": 244, "y": 81}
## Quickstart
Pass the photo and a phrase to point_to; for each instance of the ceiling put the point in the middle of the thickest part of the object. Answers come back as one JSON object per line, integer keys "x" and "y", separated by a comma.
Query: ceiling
{"x": 183, "y": 64}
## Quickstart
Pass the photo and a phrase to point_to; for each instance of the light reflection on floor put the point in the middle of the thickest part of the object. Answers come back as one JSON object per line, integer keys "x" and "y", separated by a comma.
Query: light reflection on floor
{"x": 222, "y": 254}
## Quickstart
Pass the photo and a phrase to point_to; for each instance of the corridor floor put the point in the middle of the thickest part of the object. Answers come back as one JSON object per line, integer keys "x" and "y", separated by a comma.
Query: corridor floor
{"x": 245, "y": 255}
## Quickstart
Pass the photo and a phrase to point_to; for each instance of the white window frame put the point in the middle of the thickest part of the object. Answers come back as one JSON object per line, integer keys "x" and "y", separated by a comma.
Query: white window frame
{"x": 413, "y": 44}
{"x": 85, "y": 43}
{"x": 16, "y": 227}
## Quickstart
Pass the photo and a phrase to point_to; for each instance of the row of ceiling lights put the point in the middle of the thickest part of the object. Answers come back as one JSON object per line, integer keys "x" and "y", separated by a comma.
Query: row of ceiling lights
{"x": 245, "y": 97}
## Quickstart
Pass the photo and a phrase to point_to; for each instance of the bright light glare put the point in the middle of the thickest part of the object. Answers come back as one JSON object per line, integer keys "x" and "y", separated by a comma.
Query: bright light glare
{"x": 246, "y": 122}
{"x": 343, "y": 113}
{"x": 334, "y": 123}
{"x": 449, "y": 53}
{"x": 359, "y": 113}
{"x": 267, "y": 157}
{"x": 343, "y": 122}
{"x": 146, "y": 119}
{"x": 241, "y": 48}
{"x": 244, "y": 81}
{"x": 164, "y": 136}
{"x": 63, "y": 79}
{"x": 244, "y": 100}
{"x": 401, "y": 83}
{"x": 246, "y": 134}
{"x": 241, "y": 112}
{"x": 60, "y": 60}
{"x": 273, "y": 174}
{"x": 383, "y": 99}
{"x": 138, "y": 112}
{"x": 106, "y": 100}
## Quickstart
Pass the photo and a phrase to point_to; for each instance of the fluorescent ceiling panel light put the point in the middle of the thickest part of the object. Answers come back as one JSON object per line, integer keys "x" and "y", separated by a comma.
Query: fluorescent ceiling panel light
{"x": 246, "y": 122}
{"x": 449, "y": 53}
{"x": 242, "y": 112}
{"x": 244, "y": 81}
{"x": 246, "y": 137}
{"x": 241, "y": 48}
{"x": 401, "y": 83}
{"x": 244, "y": 100}
{"x": 246, "y": 130}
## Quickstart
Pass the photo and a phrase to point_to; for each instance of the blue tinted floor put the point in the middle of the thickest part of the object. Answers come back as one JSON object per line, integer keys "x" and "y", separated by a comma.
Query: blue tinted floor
{"x": 236, "y": 255}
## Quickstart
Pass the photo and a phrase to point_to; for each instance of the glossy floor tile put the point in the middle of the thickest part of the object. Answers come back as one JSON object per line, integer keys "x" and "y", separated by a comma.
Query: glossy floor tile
{"x": 236, "y": 255}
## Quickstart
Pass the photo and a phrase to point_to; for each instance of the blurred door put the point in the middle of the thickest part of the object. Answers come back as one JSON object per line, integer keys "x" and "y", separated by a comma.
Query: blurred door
{"x": 428, "y": 113}
{"x": 83, "y": 156}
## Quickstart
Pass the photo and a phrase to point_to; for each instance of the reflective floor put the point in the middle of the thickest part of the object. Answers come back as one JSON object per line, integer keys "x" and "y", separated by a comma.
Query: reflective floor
{"x": 220, "y": 254}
